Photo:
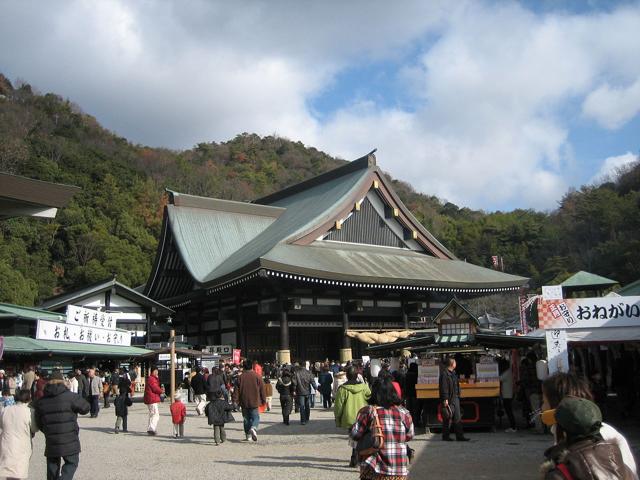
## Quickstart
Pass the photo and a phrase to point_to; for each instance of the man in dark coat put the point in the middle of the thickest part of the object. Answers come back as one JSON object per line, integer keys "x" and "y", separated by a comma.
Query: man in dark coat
{"x": 83, "y": 384}
{"x": 302, "y": 381}
{"x": 199, "y": 386}
{"x": 250, "y": 395}
{"x": 450, "y": 401}
{"x": 57, "y": 416}
{"x": 215, "y": 383}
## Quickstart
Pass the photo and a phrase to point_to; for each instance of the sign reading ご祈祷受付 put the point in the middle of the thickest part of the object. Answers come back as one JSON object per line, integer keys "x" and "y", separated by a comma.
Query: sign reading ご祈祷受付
{"x": 589, "y": 312}
{"x": 69, "y": 332}
{"x": 557, "y": 353}
{"x": 90, "y": 318}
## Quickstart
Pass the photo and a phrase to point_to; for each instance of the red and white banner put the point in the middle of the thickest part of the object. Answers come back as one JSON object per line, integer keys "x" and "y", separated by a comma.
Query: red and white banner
{"x": 589, "y": 312}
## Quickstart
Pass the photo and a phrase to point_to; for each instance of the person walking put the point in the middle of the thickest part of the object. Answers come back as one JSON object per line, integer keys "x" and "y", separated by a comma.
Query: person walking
{"x": 218, "y": 411}
{"x": 215, "y": 382}
{"x": 152, "y": 392}
{"x": 95, "y": 389}
{"x": 506, "y": 392}
{"x": 178, "y": 415}
{"x": 286, "y": 389}
{"x": 57, "y": 417}
{"x": 18, "y": 425}
{"x": 268, "y": 392}
{"x": 249, "y": 396}
{"x": 122, "y": 403}
{"x": 29, "y": 378}
{"x": 83, "y": 384}
{"x": 325, "y": 381}
{"x": 199, "y": 386}
{"x": 304, "y": 382}
{"x": 449, "y": 387}
{"x": 350, "y": 398}
{"x": 392, "y": 460}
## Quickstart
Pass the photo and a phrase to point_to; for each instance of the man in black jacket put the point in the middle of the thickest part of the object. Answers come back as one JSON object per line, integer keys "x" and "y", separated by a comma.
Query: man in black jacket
{"x": 199, "y": 386}
{"x": 450, "y": 401}
{"x": 302, "y": 381}
{"x": 57, "y": 417}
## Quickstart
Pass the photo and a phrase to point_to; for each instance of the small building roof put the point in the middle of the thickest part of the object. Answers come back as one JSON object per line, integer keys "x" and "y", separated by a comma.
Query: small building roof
{"x": 587, "y": 281}
{"x": 21, "y": 196}
{"x": 18, "y": 345}
{"x": 630, "y": 290}
{"x": 77, "y": 296}
{"x": 8, "y": 310}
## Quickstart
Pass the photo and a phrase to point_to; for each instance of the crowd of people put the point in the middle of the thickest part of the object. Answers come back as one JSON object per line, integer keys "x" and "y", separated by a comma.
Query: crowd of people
{"x": 375, "y": 412}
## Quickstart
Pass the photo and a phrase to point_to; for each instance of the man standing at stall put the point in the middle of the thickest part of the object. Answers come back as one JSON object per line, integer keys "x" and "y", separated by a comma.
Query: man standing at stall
{"x": 450, "y": 402}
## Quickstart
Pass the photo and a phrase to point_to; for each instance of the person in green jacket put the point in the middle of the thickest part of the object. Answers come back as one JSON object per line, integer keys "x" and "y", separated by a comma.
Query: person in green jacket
{"x": 350, "y": 398}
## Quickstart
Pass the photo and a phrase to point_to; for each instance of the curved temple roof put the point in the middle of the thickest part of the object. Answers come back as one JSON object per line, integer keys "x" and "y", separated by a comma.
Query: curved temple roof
{"x": 218, "y": 241}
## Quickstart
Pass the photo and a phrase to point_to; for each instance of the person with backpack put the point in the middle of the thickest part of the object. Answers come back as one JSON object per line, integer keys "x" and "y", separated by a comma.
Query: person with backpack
{"x": 122, "y": 403}
{"x": 286, "y": 389}
{"x": 391, "y": 426}
{"x": 304, "y": 384}
{"x": 350, "y": 398}
{"x": 581, "y": 453}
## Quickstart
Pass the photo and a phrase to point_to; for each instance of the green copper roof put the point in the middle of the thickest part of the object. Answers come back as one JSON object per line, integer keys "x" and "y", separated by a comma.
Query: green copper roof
{"x": 29, "y": 346}
{"x": 28, "y": 313}
{"x": 630, "y": 290}
{"x": 372, "y": 264}
{"x": 586, "y": 280}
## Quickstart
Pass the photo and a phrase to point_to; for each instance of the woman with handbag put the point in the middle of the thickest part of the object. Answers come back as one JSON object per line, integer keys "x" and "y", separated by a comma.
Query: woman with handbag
{"x": 382, "y": 431}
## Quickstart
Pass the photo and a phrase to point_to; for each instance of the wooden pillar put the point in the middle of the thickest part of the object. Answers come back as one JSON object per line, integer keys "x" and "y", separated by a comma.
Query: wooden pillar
{"x": 345, "y": 352}
{"x": 284, "y": 353}
{"x": 405, "y": 316}
{"x": 219, "y": 322}
{"x": 240, "y": 338}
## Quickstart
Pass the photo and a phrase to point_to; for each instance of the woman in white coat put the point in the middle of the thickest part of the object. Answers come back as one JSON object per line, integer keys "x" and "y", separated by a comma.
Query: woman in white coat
{"x": 18, "y": 426}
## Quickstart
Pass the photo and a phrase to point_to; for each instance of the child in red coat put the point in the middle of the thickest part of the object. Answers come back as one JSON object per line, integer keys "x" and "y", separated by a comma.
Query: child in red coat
{"x": 178, "y": 415}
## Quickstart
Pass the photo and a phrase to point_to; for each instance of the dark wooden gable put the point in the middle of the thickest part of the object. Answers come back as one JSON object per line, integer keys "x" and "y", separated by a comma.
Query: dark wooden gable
{"x": 366, "y": 226}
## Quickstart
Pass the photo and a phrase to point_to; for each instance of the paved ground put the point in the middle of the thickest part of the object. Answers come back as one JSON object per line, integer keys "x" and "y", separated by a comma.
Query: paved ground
{"x": 316, "y": 451}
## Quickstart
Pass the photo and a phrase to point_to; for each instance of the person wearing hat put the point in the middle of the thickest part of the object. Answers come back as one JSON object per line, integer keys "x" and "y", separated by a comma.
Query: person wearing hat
{"x": 178, "y": 415}
{"x": 581, "y": 452}
{"x": 57, "y": 417}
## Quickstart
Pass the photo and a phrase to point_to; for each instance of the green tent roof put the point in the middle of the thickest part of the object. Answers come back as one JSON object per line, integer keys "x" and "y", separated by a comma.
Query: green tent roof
{"x": 630, "y": 290}
{"x": 8, "y": 310}
{"x": 587, "y": 281}
{"x": 29, "y": 346}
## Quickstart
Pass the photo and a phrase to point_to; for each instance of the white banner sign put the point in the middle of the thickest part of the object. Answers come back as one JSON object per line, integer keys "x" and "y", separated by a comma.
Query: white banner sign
{"x": 68, "y": 332}
{"x": 557, "y": 353}
{"x": 87, "y": 317}
{"x": 589, "y": 312}
{"x": 218, "y": 349}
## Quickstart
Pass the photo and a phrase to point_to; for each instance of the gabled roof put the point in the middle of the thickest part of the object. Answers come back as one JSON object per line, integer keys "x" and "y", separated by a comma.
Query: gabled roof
{"x": 456, "y": 306}
{"x": 21, "y": 196}
{"x": 77, "y": 296}
{"x": 630, "y": 290}
{"x": 216, "y": 242}
{"x": 587, "y": 281}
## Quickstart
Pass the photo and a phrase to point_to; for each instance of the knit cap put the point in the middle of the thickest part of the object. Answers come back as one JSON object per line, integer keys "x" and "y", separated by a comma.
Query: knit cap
{"x": 578, "y": 416}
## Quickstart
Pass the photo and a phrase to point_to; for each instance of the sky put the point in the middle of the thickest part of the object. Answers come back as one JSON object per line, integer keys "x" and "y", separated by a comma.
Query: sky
{"x": 491, "y": 105}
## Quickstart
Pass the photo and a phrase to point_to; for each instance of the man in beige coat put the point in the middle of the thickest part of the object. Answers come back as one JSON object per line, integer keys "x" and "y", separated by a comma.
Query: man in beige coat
{"x": 18, "y": 426}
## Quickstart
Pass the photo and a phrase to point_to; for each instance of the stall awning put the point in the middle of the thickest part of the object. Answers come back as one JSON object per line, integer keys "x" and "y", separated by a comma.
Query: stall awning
{"x": 29, "y": 346}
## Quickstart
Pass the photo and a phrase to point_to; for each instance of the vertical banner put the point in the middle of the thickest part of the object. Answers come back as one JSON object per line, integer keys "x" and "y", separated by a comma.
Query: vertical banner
{"x": 522, "y": 300}
{"x": 236, "y": 356}
{"x": 557, "y": 353}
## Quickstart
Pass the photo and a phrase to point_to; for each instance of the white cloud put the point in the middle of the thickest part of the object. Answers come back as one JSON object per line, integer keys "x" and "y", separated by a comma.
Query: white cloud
{"x": 611, "y": 167}
{"x": 612, "y": 107}
{"x": 490, "y": 86}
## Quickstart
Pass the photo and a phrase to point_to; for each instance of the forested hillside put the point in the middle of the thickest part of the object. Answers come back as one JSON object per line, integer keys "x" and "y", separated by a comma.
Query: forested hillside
{"x": 112, "y": 225}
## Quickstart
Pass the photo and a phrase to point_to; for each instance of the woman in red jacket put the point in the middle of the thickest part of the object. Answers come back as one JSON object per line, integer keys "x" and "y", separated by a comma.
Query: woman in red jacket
{"x": 152, "y": 392}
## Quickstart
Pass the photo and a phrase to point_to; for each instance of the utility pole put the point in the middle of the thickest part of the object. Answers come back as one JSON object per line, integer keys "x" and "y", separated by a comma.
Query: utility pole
{"x": 172, "y": 357}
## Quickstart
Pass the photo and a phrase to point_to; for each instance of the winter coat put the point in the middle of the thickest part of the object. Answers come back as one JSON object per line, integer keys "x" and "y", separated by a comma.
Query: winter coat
{"x": 40, "y": 384}
{"x": 587, "y": 459}
{"x": 325, "y": 379}
{"x": 214, "y": 384}
{"x": 217, "y": 411}
{"x": 57, "y": 416}
{"x": 18, "y": 425}
{"x": 95, "y": 386}
{"x": 268, "y": 389}
{"x": 339, "y": 379}
{"x": 178, "y": 412}
{"x": 350, "y": 398}
{"x": 285, "y": 387}
{"x": 449, "y": 386}
{"x": 303, "y": 380}
{"x": 152, "y": 390}
{"x": 122, "y": 402}
{"x": 506, "y": 384}
{"x": 198, "y": 384}
{"x": 250, "y": 390}
{"x": 83, "y": 386}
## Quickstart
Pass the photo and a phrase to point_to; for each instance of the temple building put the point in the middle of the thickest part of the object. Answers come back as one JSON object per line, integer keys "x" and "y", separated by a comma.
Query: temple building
{"x": 286, "y": 275}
